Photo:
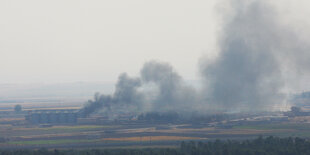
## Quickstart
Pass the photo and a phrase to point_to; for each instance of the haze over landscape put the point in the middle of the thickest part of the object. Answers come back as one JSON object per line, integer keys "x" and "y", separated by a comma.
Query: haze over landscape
{"x": 155, "y": 77}
{"x": 79, "y": 44}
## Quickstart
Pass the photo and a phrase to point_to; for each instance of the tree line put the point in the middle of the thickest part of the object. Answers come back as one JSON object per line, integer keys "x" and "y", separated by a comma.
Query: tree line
{"x": 259, "y": 146}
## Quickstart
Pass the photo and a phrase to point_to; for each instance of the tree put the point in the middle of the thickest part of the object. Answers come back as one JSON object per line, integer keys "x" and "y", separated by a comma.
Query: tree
{"x": 18, "y": 108}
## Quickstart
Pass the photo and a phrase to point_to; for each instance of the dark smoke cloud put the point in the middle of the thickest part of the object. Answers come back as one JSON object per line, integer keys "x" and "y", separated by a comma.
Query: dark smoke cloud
{"x": 125, "y": 96}
{"x": 126, "y": 90}
{"x": 259, "y": 59}
{"x": 246, "y": 74}
{"x": 173, "y": 93}
{"x": 99, "y": 101}
{"x": 257, "y": 55}
{"x": 169, "y": 92}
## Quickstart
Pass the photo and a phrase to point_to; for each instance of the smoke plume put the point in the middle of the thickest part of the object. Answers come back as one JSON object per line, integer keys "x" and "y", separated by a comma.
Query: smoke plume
{"x": 173, "y": 94}
{"x": 257, "y": 55}
{"x": 168, "y": 92}
{"x": 246, "y": 74}
{"x": 259, "y": 59}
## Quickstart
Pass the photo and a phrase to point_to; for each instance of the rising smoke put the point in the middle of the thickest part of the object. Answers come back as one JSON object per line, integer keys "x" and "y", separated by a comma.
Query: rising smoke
{"x": 173, "y": 93}
{"x": 246, "y": 74}
{"x": 256, "y": 55}
{"x": 168, "y": 92}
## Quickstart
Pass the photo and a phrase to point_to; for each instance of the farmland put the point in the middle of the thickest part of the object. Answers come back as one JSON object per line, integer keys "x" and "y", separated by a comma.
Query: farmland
{"x": 97, "y": 132}
{"x": 118, "y": 135}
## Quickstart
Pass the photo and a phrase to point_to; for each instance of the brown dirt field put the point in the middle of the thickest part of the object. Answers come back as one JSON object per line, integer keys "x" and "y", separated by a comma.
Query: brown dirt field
{"x": 173, "y": 130}
{"x": 176, "y": 130}
{"x": 152, "y": 129}
{"x": 62, "y": 135}
{"x": 151, "y": 138}
{"x": 11, "y": 119}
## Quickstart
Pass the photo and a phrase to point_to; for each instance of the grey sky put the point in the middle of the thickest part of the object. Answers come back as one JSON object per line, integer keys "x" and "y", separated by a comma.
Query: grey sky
{"x": 95, "y": 40}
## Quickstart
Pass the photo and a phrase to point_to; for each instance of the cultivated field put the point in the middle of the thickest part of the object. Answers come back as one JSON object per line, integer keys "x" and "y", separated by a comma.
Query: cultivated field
{"x": 119, "y": 135}
{"x": 16, "y": 132}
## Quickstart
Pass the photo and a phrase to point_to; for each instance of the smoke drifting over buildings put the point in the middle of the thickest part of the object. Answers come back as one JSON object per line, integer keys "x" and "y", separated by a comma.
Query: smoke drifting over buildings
{"x": 255, "y": 52}
{"x": 166, "y": 92}
{"x": 172, "y": 92}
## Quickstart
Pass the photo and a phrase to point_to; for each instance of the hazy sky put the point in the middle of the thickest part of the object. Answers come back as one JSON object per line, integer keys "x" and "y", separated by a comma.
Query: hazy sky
{"x": 95, "y": 40}
{"x": 54, "y": 41}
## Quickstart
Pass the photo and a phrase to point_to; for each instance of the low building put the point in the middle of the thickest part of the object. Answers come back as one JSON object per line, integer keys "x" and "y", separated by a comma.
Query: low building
{"x": 52, "y": 117}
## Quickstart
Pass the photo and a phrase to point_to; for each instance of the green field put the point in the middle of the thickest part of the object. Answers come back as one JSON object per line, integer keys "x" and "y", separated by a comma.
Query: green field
{"x": 292, "y": 126}
{"x": 50, "y": 142}
{"x": 281, "y": 129}
{"x": 13, "y": 131}
{"x": 96, "y": 134}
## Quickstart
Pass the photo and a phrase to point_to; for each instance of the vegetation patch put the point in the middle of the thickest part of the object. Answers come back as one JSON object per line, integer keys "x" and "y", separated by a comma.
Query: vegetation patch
{"x": 292, "y": 126}
{"x": 259, "y": 146}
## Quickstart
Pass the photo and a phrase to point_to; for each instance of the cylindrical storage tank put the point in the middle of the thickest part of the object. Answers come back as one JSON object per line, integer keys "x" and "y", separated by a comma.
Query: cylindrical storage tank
{"x": 72, "y": 117}
{"x": 63, "y": 118}
{"x": 44, "y": 118}
{"x": 54, "y": 118}
{"x": 35, "y": 118}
